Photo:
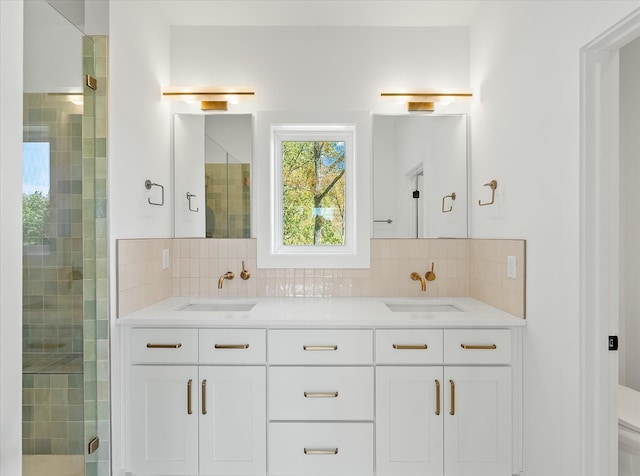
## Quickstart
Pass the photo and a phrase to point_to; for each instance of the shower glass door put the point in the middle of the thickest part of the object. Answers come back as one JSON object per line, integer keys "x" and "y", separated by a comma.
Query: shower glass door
{"x": 59, "y": 280}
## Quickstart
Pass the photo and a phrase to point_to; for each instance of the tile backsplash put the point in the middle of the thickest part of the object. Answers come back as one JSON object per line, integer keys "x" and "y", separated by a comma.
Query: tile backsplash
{"x": 463, "y": 267}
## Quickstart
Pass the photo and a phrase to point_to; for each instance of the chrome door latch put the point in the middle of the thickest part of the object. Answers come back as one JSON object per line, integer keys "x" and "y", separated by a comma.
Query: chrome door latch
{"x": 613, "y": 342}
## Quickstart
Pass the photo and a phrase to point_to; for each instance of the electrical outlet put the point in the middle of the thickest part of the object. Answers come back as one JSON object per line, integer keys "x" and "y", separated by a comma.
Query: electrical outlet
{"x": 511, "y": 267}
{"x": 165, "y": 259}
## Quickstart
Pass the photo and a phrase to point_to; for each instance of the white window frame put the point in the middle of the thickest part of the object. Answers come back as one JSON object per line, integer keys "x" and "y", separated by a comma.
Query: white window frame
{"x": 308, "y": 133}
{"x": 355, "y": 253}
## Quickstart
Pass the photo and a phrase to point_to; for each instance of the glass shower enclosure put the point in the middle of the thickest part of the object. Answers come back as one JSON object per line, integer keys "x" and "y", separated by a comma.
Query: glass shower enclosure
{"x": 62, "y": 205}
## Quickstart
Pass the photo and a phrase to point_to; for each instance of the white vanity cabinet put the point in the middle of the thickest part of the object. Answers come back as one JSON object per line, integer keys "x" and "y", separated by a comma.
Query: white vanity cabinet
{"x": 206, "y": 418}
{"x": 321, "y": 395}
{"x": 348, "y": 396}
{"x": 443, "y": 402}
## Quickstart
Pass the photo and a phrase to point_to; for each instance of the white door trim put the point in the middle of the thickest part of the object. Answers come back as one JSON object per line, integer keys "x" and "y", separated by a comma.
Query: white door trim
{"x": 599, "y": 246}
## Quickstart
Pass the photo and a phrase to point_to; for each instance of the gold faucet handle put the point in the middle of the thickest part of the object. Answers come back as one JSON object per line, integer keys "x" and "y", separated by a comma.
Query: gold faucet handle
{"x": 244, "y": 274}
{"x": 430, "y": 274}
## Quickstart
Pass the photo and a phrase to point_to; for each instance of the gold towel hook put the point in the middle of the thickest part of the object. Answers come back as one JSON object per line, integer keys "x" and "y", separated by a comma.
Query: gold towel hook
{"x": 493, "y": 185}
{"x": 452, "y": 197}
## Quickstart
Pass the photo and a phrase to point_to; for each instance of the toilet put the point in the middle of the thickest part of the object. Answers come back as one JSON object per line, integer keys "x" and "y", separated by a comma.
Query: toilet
{"x": 628, "y": 431}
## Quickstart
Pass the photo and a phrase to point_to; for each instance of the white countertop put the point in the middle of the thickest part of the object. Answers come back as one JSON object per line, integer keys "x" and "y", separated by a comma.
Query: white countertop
{"x": 320, "y": 312}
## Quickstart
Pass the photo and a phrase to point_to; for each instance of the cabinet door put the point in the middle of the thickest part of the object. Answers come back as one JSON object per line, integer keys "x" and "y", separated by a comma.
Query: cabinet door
{"x": 233, "y": 421}
{"x": 477, "y": 421}
{"x": 163, "y": 420}
{"x": 409, "y": 421}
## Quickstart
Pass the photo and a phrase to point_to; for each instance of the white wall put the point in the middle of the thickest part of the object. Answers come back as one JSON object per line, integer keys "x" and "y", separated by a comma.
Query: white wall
{"x": 52, "y": 51}
{"x": 525, "y": 134}
{"x": 320, "y": 68}
{"x": 11, "y": 31}
{"x": 139, "y": 144}
{"x": 629, "y": 223}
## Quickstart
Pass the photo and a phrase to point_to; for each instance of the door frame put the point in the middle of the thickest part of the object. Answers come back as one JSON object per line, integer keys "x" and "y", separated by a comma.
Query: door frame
{"x": 599, "y": 247}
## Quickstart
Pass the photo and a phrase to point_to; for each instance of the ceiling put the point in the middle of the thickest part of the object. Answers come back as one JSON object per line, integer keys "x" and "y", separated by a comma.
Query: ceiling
{"x": 319, "y": 12}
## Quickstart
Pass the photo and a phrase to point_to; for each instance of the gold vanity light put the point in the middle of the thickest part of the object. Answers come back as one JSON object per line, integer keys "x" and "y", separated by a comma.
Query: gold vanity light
{"x": 425, "y": 101}
{"x": 211, "y": 99}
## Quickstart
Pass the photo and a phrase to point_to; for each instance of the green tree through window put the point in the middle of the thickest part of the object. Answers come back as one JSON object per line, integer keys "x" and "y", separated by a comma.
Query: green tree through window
{"x": 313, "y": 200}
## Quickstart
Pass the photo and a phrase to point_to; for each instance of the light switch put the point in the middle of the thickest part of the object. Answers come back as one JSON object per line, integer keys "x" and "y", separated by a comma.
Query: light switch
{"x": 165, "y": 259}
{"x": 511, "y": 267}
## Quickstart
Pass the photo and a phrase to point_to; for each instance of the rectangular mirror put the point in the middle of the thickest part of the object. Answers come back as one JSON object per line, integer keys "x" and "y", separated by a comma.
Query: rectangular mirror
{"x": 420, "y": 176}
{"x": 212, "y": 175}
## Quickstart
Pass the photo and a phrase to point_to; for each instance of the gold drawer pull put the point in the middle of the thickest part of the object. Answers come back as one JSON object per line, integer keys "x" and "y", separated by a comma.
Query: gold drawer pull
{"x": 453, "y": 397}
{"x": 437, "y": 397}
{"x": 189, "y": 409}
{"x": 333, "y": 451}
{"x": 320, "y": 394}
{"x": 478, "y": 347}
{"x": 410, "y": 347}
{"x": 163, "y": 346}
{"x": 204, "y": 396}
{"x": 320, "y": 347}
{"x": 231, "y": 346}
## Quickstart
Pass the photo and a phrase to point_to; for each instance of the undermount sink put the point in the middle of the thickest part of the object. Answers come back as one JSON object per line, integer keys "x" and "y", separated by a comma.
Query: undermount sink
{"x": 423, "y": 307}
{"x": 221, "y": 306}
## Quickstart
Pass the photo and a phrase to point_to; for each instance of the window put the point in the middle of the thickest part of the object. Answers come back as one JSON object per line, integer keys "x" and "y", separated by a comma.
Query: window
{"x": 313, "y": 189}
{"x": 36, "y": 179}
{"x": 313, "y": 192}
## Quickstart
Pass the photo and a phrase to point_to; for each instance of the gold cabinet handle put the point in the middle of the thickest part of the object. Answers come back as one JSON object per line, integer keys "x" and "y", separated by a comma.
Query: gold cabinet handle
{"x": 320, "y": 347}
{"x": 453, "y": 397}
{"x": 189, "y": 385}
{"x": 410, "y": 347}
{"x": 310, "y": 451}
{"x": 437, "y": 397}
{"x": 163, "y": 346}
{"x": 204, "y": 397}
{"x": 231, "y": 346}
{"x": 320, "y": 394}
{"x": 478, "y": 347}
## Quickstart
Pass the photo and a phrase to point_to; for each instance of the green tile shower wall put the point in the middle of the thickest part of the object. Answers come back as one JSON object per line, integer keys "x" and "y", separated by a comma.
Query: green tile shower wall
{"x": 95, "y": 227}
{"x": 228, "y": 200}
{"x": 52, "y": 288}
{"x": 52, "y": 414}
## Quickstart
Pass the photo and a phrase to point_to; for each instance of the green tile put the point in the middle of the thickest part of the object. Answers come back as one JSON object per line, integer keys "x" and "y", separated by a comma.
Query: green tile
{"x": 27, "y": 396}
{"x": 42, "y": 395}
{"x": 27, "y": 429}
{"x": 59, "y": 429}
{"x": 42, "y": 381}
{"x": 28, "y": 446}
{"x": 42, "y": 446}
{"x": 59, "y": 381}
{"x": 59, "y": 396}
{"x": 76, "y": 413}
{"x": 41, "y": 413}
{"x": 59, "y": 413}
{"x": 59, "y": 446}
{"x": 75, "y": 396}
{"x": 27, "y": 412}
{"x": 42, "y": 429}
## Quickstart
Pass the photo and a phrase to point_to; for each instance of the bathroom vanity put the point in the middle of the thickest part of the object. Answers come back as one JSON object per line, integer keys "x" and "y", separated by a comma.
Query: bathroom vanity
{"x": 339, "y": 387}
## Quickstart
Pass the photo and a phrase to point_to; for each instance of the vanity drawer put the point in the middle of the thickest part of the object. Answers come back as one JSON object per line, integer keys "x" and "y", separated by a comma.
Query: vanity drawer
{"x": 232, "y": 346}
{"x": 477, "y": 346}
{"x": 166, "y": 346}
{"x": 409, "y": 346}
{"x": 321, "y": 393}
{"x": 319, "y": 449}
{"x": 320, "y": 347}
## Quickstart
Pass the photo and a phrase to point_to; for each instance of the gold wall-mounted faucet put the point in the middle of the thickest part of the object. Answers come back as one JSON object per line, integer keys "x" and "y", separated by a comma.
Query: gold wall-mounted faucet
{"x": 228, "y": 275}
{"x": 418, "y": 277}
